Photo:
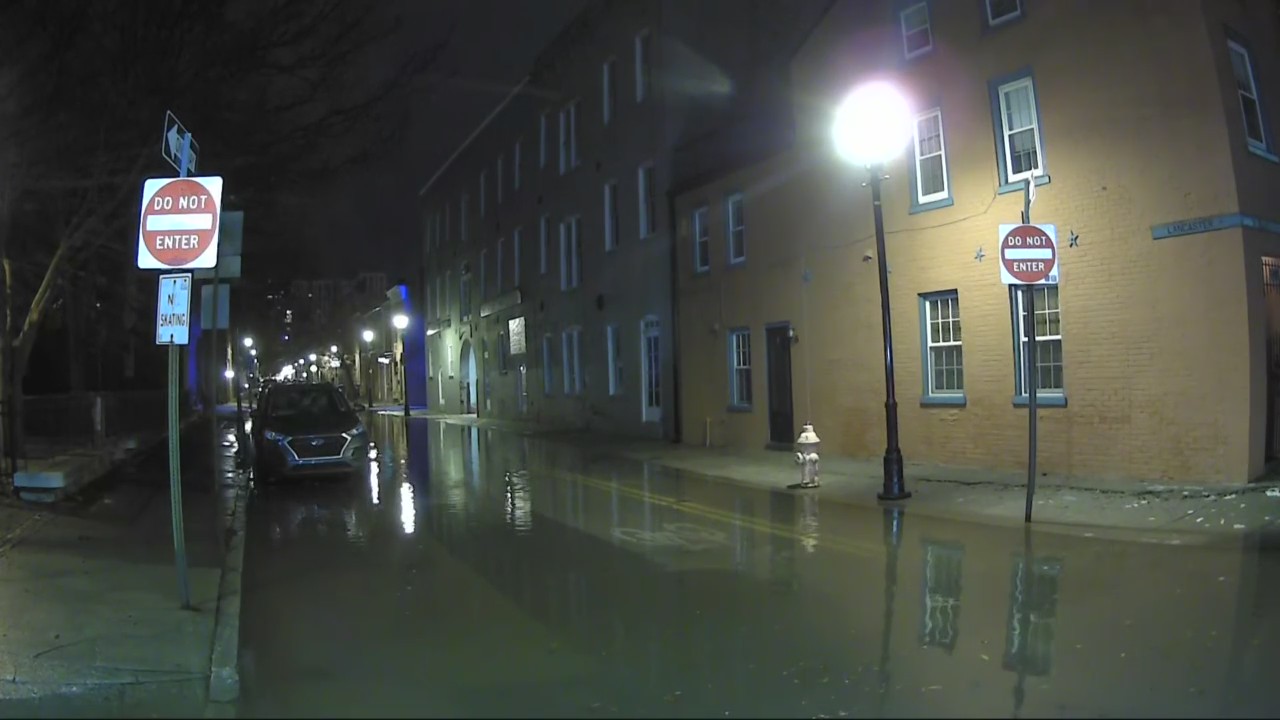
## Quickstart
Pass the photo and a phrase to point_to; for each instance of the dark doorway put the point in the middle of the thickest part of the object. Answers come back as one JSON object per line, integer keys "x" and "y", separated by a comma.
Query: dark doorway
{"x": 1271, "y": 295}
{"x": 781, "y": 418}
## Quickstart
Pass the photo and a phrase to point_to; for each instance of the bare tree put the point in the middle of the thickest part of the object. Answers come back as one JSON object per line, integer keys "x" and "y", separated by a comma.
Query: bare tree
{"x": 283, "y": 89}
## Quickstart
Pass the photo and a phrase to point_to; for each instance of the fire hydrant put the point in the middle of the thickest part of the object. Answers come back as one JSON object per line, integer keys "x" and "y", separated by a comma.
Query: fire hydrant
{"x": 807, "y": 456}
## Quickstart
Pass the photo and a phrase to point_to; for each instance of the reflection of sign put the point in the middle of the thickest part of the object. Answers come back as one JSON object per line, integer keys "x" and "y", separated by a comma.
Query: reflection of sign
{"x": 179, "y": 223}
{"x": 173, "y": 310}
{"x": 1029, "y": 254}
{"x": 515, "y": 335}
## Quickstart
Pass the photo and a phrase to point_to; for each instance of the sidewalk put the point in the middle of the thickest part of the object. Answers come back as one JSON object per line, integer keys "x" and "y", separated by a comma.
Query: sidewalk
{"x": 1136, "y": 510}
{"x": 90, "y": 622}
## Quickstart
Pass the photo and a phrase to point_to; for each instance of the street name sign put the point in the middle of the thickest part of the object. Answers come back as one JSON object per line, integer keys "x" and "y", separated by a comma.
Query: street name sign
{"x": 1029, "y": 254}
{"x": 178, "y": 229}
{"x": 173, "y": 310}
{"x": 171, "y": 144}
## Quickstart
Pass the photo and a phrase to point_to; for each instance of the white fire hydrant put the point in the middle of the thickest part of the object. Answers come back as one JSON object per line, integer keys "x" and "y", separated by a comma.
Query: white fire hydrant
{"x": 807, "y": 456}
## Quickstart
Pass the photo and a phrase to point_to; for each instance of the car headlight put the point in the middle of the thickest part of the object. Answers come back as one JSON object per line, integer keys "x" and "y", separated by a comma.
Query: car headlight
{"x": 272, "y": 435}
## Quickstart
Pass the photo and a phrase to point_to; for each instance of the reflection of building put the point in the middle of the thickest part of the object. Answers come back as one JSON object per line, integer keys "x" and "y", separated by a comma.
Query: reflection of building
{"x": 775, "y": 258}
{"x": 940, "y": 621}
{"x": 555, "y": 212}
{"x": 1033, "y": 610}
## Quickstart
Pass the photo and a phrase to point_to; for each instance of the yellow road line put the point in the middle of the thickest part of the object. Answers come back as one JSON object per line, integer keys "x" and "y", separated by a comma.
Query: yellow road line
{"x": 711, "y": 513}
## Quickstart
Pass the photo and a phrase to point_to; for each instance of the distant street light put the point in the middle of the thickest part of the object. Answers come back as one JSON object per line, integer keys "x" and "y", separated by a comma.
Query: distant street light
{"x": 253, "y": 352}
{"x": 873, "y": 126}
{"x": 248, "y": 342}
{"x": 368, "y": 353}
{"x": 401, "y": 321}
{"x": 313, "y": 367}
{"x": 367, "y": 335}
{"x": 312, "y": 357}
{"x": 333, "y": 348}
{"x": 228, "y": 373}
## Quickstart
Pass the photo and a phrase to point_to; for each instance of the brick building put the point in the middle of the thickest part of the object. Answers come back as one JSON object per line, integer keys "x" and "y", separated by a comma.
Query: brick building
{"x": 1145, "y": 126}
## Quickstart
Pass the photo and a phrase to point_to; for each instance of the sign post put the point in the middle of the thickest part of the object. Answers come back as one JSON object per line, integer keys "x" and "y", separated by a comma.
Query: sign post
{"x": 178, "y": 230}
{"x": 1029, "y": 258}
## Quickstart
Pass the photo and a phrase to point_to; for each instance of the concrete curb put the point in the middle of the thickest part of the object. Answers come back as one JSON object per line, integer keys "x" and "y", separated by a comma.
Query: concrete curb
{"x": 224, "y": 664}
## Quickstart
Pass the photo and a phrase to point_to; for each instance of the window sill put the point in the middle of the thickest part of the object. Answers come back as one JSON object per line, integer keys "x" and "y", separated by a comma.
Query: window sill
{"x": 1263, "y": 153}
{"x": 943, "y": 401}
{"x": 1057, "y": 400}
{"x": 1021, "y": 185}
{"x": 738, "y": 409}
{"x": 703, "y": 272}
{"x": 737, "y": 263}
{"x": 934, "y": 205}
{"x": 915, "y": 54}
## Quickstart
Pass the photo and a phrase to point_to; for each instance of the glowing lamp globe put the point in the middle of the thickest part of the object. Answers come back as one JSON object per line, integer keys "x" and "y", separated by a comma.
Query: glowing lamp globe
{"x": 872, "y": 125}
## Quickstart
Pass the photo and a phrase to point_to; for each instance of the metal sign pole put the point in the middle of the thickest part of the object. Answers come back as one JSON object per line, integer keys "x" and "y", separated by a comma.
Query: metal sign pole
{"x": 1029, "y": 378}
{"x": 175, "y": 448}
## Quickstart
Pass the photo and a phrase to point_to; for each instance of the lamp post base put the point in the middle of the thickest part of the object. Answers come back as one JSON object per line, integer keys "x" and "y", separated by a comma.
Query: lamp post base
{"x": 895, "y": 488}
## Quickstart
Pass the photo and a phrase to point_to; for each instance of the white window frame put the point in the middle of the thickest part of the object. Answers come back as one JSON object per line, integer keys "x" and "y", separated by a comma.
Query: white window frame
{"x": 740, "y": 376}
{"x": 544, "y": 244}
{"x": 950, "y": 335}
{"x": 644, "y": 70}
{"x": 570, "y": 253}
{"x": 651, "y": 369}
{"x": 564, "y": 140}
{"x": 1005, "y": 133}
{"x": 648, "y": 215}
{"x": 483, "y": 182}
{"x": 499, "y": 179}
{"x": 448, "y": 284}
{"x": 994, "y": 21}
{"x": 607, "y": 82}
{"x": 735, "y": 228}
{"x": 927, "y": 28}
{"x": 572, "y": 359}
{"x": 515, "y": 164}
{"x": 611, "y": 224}
{"x": 701, "y": 238}
{"x": 516, "y": 237}
{"x": 613, "y": 353}
{"x": 1234, "y": 48}
{"x": 921, "y": 197}
{"x": 1043, "y": 339}
{"x": 548, "y": 365}
{"x": 574, "y": 158}
{"x": 497, "y": 275}
{"x": 448, "y": 356}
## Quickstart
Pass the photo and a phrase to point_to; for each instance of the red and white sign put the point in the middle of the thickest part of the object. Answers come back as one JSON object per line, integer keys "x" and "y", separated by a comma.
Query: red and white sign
{"x": 179, "y": 224}
{"x": 1029, "y": 254}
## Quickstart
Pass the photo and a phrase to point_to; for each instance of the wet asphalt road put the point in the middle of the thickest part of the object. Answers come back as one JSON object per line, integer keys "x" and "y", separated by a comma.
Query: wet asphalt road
{"x": 472, "y": 572}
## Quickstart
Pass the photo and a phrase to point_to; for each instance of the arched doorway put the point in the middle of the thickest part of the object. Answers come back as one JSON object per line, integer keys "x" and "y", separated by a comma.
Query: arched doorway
{"x": 467, "y": 363}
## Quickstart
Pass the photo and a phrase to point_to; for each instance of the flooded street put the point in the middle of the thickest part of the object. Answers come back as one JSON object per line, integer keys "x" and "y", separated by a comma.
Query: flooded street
{"x": 474, "y": 572}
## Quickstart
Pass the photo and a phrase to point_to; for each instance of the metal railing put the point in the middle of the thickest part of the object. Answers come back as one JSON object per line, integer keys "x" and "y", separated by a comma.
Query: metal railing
{"x": 55, "y": 422}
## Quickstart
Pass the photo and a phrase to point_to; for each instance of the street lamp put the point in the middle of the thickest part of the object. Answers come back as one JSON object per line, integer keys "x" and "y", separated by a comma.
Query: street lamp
{"x": 873, "y": 126}
{"x": 312, "y": 357}
{"x": 313, "y": 367}
{"x": 401, "y": 321}
{"x": 333, "y": 348}
{"x": 368, "y": 350}
{"x": 248, "y": 342}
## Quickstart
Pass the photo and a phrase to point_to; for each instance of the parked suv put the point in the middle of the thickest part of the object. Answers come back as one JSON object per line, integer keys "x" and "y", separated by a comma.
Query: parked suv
{"x": 306, "y": 428}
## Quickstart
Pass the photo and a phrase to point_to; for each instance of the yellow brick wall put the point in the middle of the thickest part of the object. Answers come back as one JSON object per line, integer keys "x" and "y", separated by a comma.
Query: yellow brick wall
{"x": 1158, "y": 366}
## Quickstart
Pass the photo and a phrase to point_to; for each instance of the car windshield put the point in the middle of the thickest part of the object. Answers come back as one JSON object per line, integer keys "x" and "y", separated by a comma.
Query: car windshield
{"x": 295, "y": 400}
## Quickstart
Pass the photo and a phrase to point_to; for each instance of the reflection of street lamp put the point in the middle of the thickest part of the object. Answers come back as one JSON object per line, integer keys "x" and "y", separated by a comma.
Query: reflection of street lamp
{"x": 892, "y": 541}
{"x": 871, "y": 127}
{"x": 401, "y": 321}
{"x": 368, "y": 351}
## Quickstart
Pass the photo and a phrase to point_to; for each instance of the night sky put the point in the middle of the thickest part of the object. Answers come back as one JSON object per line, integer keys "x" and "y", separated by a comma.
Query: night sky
{"x": 492, "y": 45}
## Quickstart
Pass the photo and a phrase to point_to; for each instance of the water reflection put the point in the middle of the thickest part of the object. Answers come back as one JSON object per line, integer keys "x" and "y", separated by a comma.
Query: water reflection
{"x": 375, "y": 481}
{"x": 408, "y": 511}
{"x": 519, "y": 501}
{"x": 940, "y": 617}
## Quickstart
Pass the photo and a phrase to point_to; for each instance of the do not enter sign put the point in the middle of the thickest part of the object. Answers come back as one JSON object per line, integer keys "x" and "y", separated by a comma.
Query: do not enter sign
{"x": 179, "y": 224}
{"x": 1029, "y": 254}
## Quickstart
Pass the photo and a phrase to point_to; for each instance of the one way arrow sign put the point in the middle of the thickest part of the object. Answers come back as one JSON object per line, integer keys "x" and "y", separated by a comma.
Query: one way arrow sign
{"x": 171, "y": 144}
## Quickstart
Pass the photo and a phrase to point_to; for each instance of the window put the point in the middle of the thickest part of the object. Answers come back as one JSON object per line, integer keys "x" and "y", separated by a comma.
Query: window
{"x": 613, "y": 349}
{"x": 497, "y": 188}
{"x": 497, "y": 275}
{"x": 607, "y": 83}
{"x": 569, "y": 137}
{"x": 548, "y": 365}
{"x": 542, "y": 140}
{"x": 572, "y": 361}
{"x": 642, "y": 65}
{"x": 544, "y": 242}
{"x": 483, "y": 182}
{"x": 648, "y": 209}
{"x": 515, "y": 166}
{"x": 740, "y": 368}
{"x": 735, "y": 230}
{"x": 1247, "y": 89}
{"x": 943, "y": 352}
{"x": 931, "y": 159}
{"x": 504, "y": 351}
{"x": 448, "y": 283}
{"x": 440, "y": 294}
{"x": 441, "y": 225}
{"x": 515, "y": 256}
{"x": 1048, "y": 355}
{"x": 574, "y": 160}
{"x": 917, "y": 38}
{"x": 464, "y": 296}
{"x": 448, "y": 356}
{"x": 610, "y": 215}
{"x": 462, "y": 218}
{"x": 701, "y": 240}
{"x": 570, "y": 253}
{"x": 1000, "y": 11}
{"x": 1020, "y": 149}
{"x": 446, "y": 221}
{"x": 484, "y": 263}
{"x": 651, "y": 369}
